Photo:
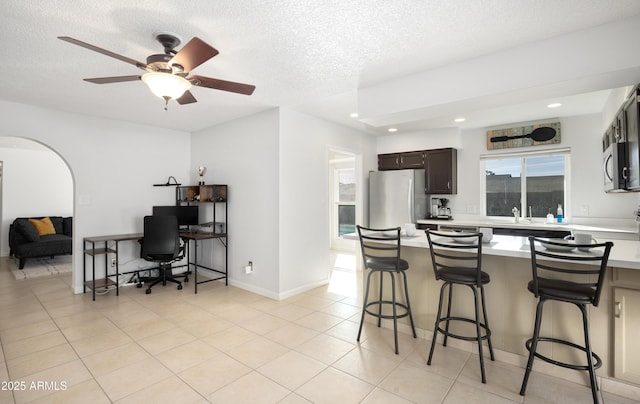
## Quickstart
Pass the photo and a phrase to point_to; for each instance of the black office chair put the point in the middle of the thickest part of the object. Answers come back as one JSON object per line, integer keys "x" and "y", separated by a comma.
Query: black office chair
{"x": 457, "y": 260}
{"x": 161, "y": 244}
{"x": 381, "y": 254}
{"x": 558, "y": 275}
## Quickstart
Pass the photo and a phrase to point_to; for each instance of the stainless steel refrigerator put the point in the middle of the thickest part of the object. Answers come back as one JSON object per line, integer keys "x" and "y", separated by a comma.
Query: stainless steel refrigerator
{"x": 396, "y": 197}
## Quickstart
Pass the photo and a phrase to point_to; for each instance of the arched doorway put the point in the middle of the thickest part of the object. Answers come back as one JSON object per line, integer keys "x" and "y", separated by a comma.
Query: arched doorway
{"x": 35, "y": 181}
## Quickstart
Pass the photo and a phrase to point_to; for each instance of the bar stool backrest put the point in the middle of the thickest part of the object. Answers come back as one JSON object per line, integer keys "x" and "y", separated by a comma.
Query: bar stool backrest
{"x": 445, "y": 248}
{"x": 581, "y": 269}
{"x": 379, "y": 243}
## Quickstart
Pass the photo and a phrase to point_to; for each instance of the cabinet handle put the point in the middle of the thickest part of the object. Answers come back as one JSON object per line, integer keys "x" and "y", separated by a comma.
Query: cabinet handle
{"x": 448, "y": 184}
{"x": 624, "y": 173}
{"x": 397, "y": 160}
{"x": 618, "y": 309}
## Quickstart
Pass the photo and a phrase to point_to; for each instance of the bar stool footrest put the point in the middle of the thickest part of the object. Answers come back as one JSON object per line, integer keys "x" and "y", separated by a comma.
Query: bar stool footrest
{"x": 486, "y": 335}
{"x": 405, "y": 309}
{"x": 596, "y": 365}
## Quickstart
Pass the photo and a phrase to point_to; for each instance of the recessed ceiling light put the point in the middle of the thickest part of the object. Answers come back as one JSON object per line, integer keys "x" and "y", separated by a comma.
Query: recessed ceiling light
{"x": 461, "y": 119}
{"x": 392, "y": 130}
{"x": 554, "y": 105}
{"x": 353, "y": 115}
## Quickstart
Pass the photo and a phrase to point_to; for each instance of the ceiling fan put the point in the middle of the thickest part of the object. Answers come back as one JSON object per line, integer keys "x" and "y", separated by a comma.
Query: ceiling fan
{"x": 168, "y": 74}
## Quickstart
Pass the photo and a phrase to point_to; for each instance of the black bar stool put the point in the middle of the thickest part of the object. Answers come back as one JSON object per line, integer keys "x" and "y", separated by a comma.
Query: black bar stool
{"x": 457, "y": 260}
{"x": 558, "y": 275}
{"x": 381, "y": 254}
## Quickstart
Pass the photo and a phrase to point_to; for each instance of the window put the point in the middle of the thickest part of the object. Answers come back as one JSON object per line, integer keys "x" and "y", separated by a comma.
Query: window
{"x": 534, "y": 183}
{"x": 346, "y": 201}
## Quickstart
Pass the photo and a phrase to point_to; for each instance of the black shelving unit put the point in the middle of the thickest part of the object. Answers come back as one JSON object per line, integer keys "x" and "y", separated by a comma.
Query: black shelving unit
{"x": 214, "y": 197}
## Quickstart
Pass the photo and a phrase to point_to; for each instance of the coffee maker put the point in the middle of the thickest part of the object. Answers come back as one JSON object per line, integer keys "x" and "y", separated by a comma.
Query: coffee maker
{"x": 440, "y": 209}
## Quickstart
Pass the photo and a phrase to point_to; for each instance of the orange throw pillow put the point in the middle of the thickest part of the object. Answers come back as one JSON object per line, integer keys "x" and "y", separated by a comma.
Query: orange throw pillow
{"x": 43, "y": 226}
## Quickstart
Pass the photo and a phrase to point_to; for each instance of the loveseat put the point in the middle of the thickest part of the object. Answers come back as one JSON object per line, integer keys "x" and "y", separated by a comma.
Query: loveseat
{"x": 40, "y": 237}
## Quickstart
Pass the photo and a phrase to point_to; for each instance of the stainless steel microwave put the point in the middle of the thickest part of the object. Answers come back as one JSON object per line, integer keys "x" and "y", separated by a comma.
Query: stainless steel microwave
{"x": 613, "y": 162}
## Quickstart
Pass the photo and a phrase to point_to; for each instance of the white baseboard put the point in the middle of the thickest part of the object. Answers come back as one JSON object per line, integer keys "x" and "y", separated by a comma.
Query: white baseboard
{"x": 276, "y": 296}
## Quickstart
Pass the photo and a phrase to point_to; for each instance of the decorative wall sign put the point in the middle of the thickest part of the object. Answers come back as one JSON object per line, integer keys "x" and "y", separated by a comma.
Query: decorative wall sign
{"x": 524, "y": 136}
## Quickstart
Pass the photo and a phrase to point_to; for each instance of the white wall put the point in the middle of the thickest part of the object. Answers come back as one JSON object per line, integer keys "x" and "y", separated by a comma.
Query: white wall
{"x": 276, "y": 166}
{"x": 244, "y": 155}
{"x": 433, "y": 139}
{"x": 304, "y": 194}
{"x": 597, "y": 54}
{"x": 35, "y": 182}
{"x": 581, "y": 133}
{"x": 613, "y": 104}
{"x": 113, "y": 165}
{"x": 275, "y": 163}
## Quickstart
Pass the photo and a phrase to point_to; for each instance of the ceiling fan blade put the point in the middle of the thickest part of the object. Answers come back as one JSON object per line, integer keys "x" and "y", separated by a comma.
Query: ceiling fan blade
{"x": 218, "y": 84}
{"x": 103, "y": 51}
{"x": 193, "y": 54}
{"x": 187, "y": 98}
{"x": 117, "y": 79}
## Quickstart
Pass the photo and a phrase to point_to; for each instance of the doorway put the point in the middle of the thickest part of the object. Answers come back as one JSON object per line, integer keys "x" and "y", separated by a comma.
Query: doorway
{"x": 343, "y": 208}
{"x": 34, "y": 181}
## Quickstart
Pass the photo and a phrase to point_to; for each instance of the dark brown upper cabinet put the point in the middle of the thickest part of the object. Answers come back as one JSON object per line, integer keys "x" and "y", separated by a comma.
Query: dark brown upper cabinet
{"x": 401, "y": 161}
{"x": 440, "y": 165}
{"x": 631, "y": 119}
{"x": 441, "y": 170}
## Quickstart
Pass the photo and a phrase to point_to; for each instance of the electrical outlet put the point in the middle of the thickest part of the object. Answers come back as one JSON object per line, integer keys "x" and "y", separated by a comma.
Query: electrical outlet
{"x": 113, "y": 262}
{"x": 249, "y": 268}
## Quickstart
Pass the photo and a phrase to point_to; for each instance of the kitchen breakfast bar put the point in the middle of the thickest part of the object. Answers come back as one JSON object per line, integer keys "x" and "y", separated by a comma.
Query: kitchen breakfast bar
{"x": 511, "y": 310}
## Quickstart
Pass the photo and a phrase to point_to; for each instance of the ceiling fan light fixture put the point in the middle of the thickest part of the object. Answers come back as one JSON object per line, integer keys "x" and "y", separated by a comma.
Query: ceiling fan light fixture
{"x": 166, "y": 85}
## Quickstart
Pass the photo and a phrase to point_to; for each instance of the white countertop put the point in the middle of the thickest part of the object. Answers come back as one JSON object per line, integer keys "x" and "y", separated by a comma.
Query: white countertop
{"x": 624, "y": 254}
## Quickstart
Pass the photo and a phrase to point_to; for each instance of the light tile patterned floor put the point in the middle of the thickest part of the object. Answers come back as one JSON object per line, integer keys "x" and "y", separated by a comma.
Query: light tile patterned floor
{"x": 226, "y": 345}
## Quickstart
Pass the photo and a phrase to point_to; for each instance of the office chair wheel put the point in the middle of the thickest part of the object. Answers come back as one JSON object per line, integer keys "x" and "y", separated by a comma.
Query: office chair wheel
{"x": 186, "y": 279}
{"x": 180, "y": 287}
{"x": 148, "y": 291}
{"x": 139, "y": 285}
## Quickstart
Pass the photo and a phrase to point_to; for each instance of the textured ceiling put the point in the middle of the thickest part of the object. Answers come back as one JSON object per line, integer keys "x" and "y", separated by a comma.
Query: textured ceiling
{"x": 310, "y": 55}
